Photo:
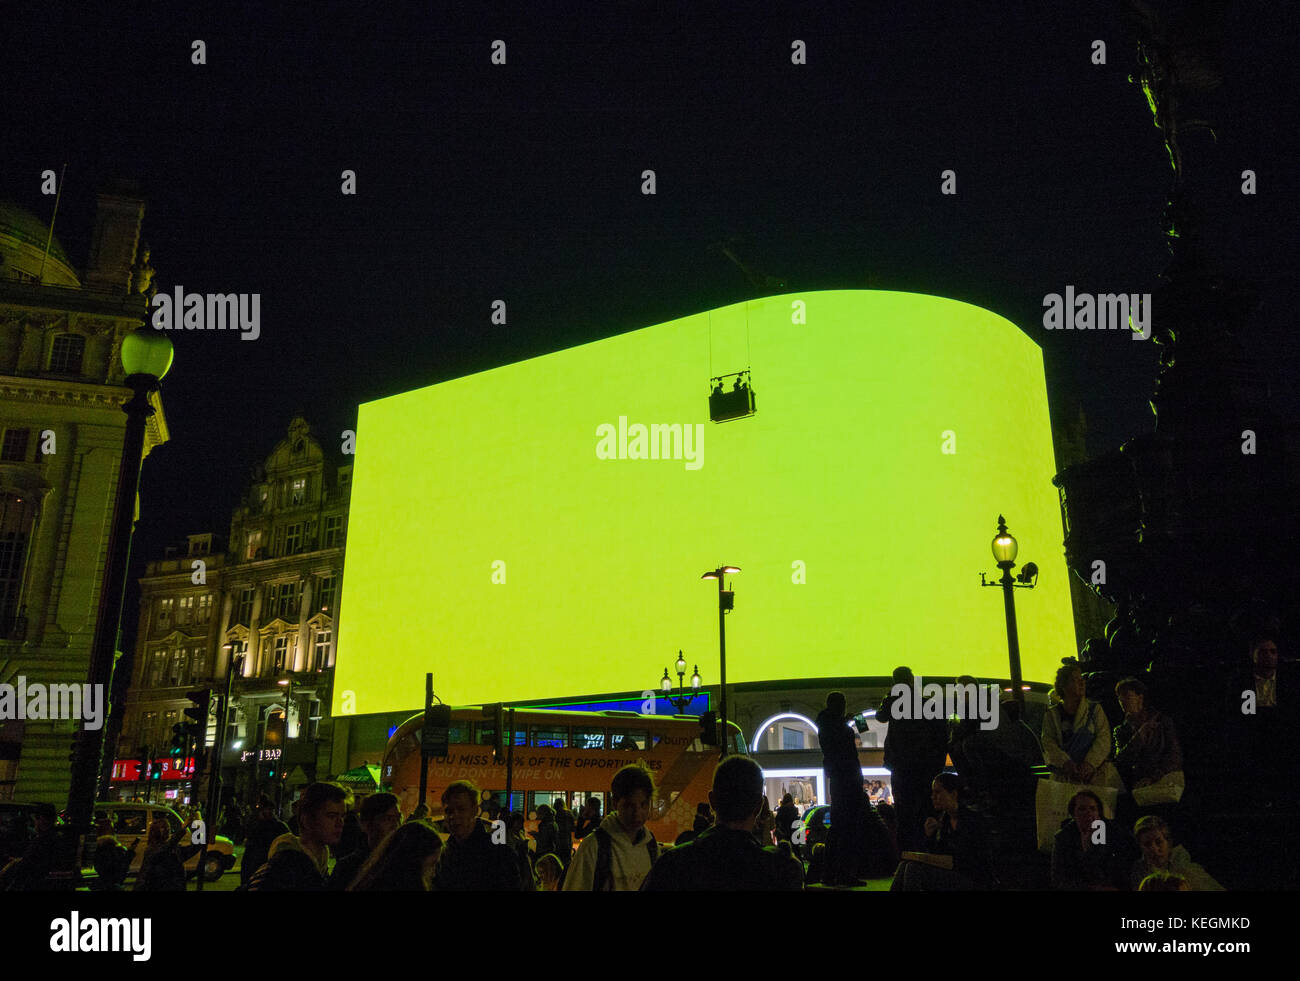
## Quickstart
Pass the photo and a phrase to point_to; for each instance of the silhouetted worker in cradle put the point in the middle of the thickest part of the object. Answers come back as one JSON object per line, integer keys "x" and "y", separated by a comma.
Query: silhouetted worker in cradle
{"x": 844, "y": 774}
{"x": 915, "y": 750}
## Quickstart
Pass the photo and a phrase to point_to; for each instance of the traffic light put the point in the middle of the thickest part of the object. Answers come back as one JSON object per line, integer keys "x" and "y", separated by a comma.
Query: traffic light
{"x": 198, "y": 715}
{"x": 709, "y": 729}
{"x": 497, "y": 713}
{"x": 180, "y": 740}
{"x": 436, "y": 734}
{"x": 142, "y": 757}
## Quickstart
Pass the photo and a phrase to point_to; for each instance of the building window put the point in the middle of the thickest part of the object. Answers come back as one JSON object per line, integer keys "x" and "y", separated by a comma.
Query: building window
{"x": 177, "y": 675}
{"x": 185, "y": 611}
{"x": 298, "y": 491}
{"x": 293, "y": 539}
{"x": 281, "y": 653}
{"x": 204, "y": 612}
{"x": 244, "y": 613}
{"x": 325, "y": 594}
{"x": 148, "y": 732}
{"x": 333, "y": 531}
{"x": 157, "y": 664}
{"x": 254, "y": 543}
{"x": 165, "y": 613}
{"x": 14, "y": 447}
{"x": 13, "y": 555}
{"x": 67, "y": 353}
{"x": 198, "y": 664}
{"x": 322, "y": 651}
{"x": 284, "y": 599}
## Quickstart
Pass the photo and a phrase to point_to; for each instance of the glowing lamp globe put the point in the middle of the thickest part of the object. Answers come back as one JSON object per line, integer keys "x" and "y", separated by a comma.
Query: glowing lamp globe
{"x": 147, "y": 353}
{"x": 1005, "y": 548}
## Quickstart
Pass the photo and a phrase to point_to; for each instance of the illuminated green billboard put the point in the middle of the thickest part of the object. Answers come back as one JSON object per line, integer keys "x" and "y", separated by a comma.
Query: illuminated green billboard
{"x": 539, "y": 531}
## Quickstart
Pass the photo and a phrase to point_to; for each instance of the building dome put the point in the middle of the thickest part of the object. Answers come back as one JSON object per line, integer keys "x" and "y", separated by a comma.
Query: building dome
{"x": 22, "y": 247}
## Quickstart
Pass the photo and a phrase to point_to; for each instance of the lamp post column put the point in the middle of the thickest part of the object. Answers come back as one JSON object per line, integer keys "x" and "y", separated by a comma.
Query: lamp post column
{"x": 89, "y": 742}
{"x": 723, "y": 733}
{"x": 1013, "y": 636}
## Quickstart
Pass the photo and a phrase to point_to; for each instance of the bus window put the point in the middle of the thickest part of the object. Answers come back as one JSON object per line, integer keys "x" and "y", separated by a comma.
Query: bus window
{"x": 458, "y": 734}
{"x": 554, "y": 736}
{"x": 629, "y": 739}
{"x": 589, "y": 738}
{"x": 485, "y": 734}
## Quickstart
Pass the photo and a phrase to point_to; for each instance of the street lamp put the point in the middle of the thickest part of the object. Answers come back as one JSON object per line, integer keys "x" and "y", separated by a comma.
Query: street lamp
{"x": 726, "y": 603}
{"x": 287, "y": 683}
{"x": 666, "y": 685}
{"x": 146, "y": 358}
{"x": 1005, "y": 550}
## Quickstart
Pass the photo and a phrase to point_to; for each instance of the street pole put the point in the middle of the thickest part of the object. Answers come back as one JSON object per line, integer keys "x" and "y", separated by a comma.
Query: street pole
{"x": 85, "y": 769}
{"x": 210, "y": 816}
{"x": 723, "y": 733}
{"x": 284, "y": 752}
{"x": 424, "y": 755}
{"x": 510, "y": 758}
{"x": 1013, "y": 637}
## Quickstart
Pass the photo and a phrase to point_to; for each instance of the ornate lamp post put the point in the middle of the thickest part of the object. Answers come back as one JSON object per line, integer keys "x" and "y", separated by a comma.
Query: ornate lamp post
{"x": 666, "y": 685}
{"x": 1004, "y": 551}
{"x": 146, "y": 358}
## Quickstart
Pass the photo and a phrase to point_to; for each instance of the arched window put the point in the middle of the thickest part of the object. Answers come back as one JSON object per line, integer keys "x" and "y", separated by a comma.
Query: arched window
{"x": 67, "y": 353}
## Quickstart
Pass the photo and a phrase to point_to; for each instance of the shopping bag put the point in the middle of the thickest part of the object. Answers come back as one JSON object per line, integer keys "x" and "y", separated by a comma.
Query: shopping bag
{"x": 1167, "y": 790}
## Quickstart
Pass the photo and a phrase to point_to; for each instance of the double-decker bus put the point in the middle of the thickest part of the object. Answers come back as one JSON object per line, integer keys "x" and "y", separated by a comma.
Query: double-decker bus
{"x": 573, "y": 755}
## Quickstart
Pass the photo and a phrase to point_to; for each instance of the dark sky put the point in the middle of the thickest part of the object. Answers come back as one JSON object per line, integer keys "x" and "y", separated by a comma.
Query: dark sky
{"x": 522, "y": 182}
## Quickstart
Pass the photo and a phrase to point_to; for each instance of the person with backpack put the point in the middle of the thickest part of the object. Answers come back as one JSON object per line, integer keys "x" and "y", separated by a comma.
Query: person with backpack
{"x": 618, "y": 855}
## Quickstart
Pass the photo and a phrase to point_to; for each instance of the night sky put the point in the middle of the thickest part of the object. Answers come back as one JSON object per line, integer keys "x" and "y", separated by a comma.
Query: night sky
{"x": 522, "y": 182}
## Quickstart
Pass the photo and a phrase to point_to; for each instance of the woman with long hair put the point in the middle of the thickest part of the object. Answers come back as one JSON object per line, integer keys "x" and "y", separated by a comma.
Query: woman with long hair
{"x": 406, "y": 861}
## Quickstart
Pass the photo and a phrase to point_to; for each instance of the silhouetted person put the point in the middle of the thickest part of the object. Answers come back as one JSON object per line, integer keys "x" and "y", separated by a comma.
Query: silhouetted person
{"x": 957, "y": 854}
{"x": 264, "y": 829}
{"x": 844, "y": 775}
{"x": 564, "y": 819}
{"x": 379, "y": 818}
{"x": 915, "y": 750}
{"x": 405, "y": 861}
{"x": 471, "y": 862}
{"x": 588, "y": 818}
{"x": 1090, "y": 853}
{"x": 786, "y": 817}
{"x": 727, "y": 856}
{"x": 300, "y": 862}
{"x": 32, "y": 871}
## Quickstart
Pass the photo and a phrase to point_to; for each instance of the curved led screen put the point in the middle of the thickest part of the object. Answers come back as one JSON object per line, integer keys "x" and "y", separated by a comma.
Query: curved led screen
{"x": 538, "y": 531}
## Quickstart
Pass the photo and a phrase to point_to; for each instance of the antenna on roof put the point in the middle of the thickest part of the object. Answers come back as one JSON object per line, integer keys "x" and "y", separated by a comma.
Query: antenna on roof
{"x": 58, "y": 194}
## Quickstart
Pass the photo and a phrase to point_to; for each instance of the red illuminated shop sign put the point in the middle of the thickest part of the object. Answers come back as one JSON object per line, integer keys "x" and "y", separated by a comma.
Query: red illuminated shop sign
{"x": 164, "y": 769}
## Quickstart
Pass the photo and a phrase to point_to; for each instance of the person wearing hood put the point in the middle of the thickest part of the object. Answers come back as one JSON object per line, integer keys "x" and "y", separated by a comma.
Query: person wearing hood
{"x": 618, "y": 855}
{"x": 1160, "y": 854}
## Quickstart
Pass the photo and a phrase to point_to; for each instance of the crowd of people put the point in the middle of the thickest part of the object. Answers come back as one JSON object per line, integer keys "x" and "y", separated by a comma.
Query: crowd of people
{"x": 932, "y": 829}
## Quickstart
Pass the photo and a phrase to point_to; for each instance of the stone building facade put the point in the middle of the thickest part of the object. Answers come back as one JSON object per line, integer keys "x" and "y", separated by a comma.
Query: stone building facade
{"x": 62, "y": 430}
{"x": 271, "y": 598}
